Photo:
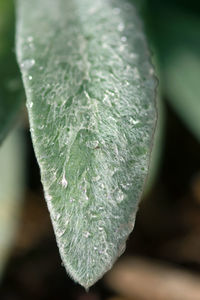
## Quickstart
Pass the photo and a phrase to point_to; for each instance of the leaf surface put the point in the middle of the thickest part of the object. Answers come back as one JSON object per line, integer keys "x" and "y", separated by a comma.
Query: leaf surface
{"x": 11, "y": 89}
{"x": 90, "y": 96}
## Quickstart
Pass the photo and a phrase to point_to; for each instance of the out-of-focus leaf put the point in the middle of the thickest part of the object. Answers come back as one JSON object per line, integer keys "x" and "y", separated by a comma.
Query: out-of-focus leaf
{"x": 91, "y": 101}
{"x": 11, "y": 90}
{"x": 11, "y": 192}
{"x": 175, "y": 34}
{"x": 183, "y": 88}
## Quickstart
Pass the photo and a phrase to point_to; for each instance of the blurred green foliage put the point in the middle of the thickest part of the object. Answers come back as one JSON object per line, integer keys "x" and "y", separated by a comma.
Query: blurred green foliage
{"x": 11, "y": 89}
{"x": 11, "y": 192}
{"x": 173, "y": 29}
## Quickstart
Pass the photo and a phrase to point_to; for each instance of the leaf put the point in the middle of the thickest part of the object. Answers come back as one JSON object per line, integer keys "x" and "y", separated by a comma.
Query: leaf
{"x": 90, "y": 96}
{"x": 11, "y": 192}
{"x": 183, "y": 90}
{"x": 178, "y": 47}
{"x": 11, "y": 90}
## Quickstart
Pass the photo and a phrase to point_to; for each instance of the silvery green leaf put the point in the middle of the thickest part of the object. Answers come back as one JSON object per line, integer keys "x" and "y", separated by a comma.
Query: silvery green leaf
{"x": 90, "y": 96}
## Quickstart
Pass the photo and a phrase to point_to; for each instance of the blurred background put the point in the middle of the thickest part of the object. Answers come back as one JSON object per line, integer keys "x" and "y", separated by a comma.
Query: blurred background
{"x": 162, "y": 258}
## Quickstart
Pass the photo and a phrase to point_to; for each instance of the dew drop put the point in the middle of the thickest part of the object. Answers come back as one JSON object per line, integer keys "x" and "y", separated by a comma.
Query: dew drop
{"x": 121, "y": 48}
{"x": 151, "y": 71}
{"x": 133, "y": 55}
{"x": 134, "y": 122}
{"x": 30, "y": 39}
{"x": 27, "y": 64}
{"x": 31, "y": 104}
{"x": 120, "y": 27}
{"x": 120, "y": 196}
{"x": 123, "y": 39}
{"x": 30, "y": 77}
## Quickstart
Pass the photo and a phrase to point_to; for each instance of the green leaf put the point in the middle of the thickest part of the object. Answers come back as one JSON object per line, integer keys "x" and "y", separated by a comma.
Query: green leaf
{"x": 183, "y": 89}
{"x": 11, "y": 192}
{"x": 11, "y": 90}
{"x": 90, "y": 91}
{"x": 178, "y": 48}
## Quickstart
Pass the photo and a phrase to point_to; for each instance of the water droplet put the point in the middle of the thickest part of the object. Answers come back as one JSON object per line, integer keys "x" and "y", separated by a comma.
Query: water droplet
{"x": 93, "y": 216}
{"x": 30, "y": 77}
{"x": 31, "y": 104}
{"x": 134, "y": 122}
{"x": 121, "y": 48}
{"x": 133, "y": 55}
{"x": 41, "y": 68}
{"x": 100, "y": 228}
{"x": 120, "y": 27}
{"x": 151, "y": 71}
{"x": 119, "y": 196}
{"x": 123, "y": 39}
{"x": 30, "y": 39}
{"x": 102, "y": 185}
{"x": 27, "y": 64}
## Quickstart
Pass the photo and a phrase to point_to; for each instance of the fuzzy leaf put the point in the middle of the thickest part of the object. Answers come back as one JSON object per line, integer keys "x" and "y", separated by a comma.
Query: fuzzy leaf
{"x": 10, "y": 81}
{"x": 90, "y": 92}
